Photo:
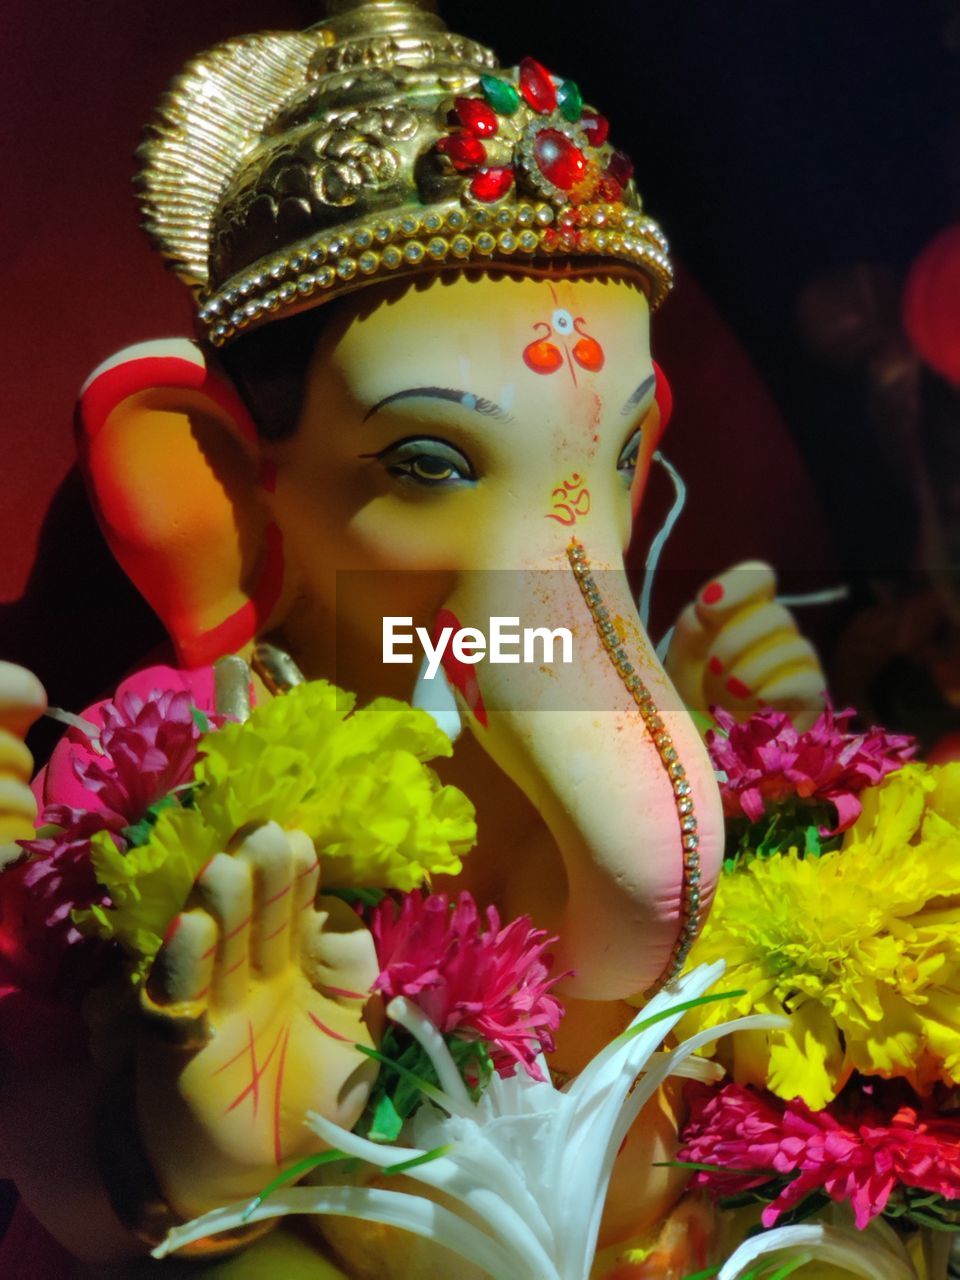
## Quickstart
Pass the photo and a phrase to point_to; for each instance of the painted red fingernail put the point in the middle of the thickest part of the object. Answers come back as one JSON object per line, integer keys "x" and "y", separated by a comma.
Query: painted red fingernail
{"x": 173, "y": 928}
{"x": 716, "y": 666}
{"x": 712, "y": 594}
{"x": 737, "y": 688}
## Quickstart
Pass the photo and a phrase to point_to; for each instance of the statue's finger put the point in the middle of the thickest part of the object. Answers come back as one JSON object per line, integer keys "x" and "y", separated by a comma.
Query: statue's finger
{"x": 340, "y": 958}
{"x": 225, "y": 887}
{"x": 15, "y": 760}
{"x": 686, "y": 656}
{"x": 23, "y": 698}
{"x": 306, "y": 879}
{"x": 749, "y": 633}
{"x": 800, "y": 694}
{"x": 743, "y": 681}
{"x": 746, "y": 584}
{"x": 180, "y": 978}
{"x": 271, "y": 861}
{"x": 18, "y": 811}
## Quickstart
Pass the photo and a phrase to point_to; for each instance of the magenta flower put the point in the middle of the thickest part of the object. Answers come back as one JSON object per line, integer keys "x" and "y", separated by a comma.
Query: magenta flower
{"x": 860, "y": 1150}
{"x": 767, "y": 762}
{"x": 45, "y": 963}
{"x": 149, "y": 748}
{"x": 490, "y": 983}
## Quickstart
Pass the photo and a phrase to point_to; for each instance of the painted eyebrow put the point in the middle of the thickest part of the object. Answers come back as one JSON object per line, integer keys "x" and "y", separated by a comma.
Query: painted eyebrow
{"x": 466, "y": 398}
{"x": 638, "y": 395}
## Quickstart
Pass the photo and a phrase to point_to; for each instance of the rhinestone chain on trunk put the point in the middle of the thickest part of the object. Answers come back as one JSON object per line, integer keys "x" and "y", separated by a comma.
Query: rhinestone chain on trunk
{"x": 682, "y": 791}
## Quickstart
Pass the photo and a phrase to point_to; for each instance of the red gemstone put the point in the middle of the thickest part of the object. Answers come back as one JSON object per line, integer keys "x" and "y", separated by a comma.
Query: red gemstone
{"x": 620, "y": 168}
{"x": 477, "y": 116}
{"x": 609, "y": 189}
{"x": 550, "y": 239}
{"x": 596, "y": 127}
{"x": 492, "y": 184}
{"x": 463, "y": 150}
{"x": 537, "y": 87}
{"x": 558, "y": 159}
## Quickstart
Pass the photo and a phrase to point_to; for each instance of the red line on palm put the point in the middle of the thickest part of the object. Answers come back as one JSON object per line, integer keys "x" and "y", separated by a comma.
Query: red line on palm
{"x": 258, "y": 1072}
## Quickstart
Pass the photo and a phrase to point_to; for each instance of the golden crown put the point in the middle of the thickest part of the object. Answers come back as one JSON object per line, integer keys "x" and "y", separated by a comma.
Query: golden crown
{"x": 284, "y": 168}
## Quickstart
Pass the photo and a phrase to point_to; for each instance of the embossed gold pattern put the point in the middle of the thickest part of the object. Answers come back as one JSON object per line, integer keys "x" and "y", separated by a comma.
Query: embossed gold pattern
{"x": 283, "y": 168}
{"x": 688, "y": 836}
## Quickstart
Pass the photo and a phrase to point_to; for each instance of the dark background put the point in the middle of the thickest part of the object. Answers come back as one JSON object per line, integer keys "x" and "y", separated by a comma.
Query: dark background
{"x": 776, "y": 141}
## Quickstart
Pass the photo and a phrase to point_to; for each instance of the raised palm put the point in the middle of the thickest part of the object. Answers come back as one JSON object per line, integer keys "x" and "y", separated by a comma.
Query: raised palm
{"x": 251, "y": 1017}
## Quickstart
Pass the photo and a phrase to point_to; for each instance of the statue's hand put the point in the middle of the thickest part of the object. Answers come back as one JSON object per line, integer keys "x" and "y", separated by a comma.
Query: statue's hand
{"x": 736, "y": 648}
{"x": 251, "y": 1016}
{"x": 22, "y": 700}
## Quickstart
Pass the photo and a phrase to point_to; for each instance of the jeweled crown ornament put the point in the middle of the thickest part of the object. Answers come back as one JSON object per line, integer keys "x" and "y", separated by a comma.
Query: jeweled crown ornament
{"x": 284, "y": 168}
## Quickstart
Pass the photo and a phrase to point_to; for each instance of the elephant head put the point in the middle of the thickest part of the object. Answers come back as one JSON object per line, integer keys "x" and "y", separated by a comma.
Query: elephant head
{"x": 465, "y": 447}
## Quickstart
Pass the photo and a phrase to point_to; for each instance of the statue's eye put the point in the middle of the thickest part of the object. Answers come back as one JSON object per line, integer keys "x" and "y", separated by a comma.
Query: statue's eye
{"x": 427, "y": 462}
{"x": 629, "y": 454}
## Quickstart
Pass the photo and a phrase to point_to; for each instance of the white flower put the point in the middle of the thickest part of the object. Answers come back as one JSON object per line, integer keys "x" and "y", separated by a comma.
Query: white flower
{"x": 526, "y": 1168}
{"x": 874, "y": 1254}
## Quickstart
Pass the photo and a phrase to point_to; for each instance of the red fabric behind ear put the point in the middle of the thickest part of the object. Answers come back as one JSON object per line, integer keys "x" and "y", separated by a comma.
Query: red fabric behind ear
{"x": 664, "y": 398}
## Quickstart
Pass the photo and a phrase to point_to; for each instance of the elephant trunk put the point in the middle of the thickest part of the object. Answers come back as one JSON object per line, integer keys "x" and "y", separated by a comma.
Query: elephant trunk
{"x": 607, "y": 753}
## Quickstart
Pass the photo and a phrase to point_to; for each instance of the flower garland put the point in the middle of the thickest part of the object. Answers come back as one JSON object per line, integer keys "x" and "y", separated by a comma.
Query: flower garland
{"x": 837, "y": 919}
{"x": 839, "y": 907}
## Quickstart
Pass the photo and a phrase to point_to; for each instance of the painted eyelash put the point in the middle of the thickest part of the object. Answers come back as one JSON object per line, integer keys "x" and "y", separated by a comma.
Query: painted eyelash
{"x": 478, "y": 404}
{"x": 469, "y": 401}
{"x": 487, "y": 407}
{"x": 639, "y": 395}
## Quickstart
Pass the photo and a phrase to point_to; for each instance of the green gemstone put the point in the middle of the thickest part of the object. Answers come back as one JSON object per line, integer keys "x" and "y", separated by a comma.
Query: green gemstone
{"x": 571, "y": 101}
{"x": 503, "y": 97}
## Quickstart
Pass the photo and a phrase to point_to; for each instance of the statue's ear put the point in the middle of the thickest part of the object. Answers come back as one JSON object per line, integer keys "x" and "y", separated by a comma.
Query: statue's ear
{"x": 171, "y": 459}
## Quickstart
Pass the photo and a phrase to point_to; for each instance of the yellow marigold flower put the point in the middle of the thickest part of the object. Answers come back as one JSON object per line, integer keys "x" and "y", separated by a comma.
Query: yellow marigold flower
{"x": 357, "y": 784}
{"x": 149, "y": 883}
{"x": 861, "y": 947}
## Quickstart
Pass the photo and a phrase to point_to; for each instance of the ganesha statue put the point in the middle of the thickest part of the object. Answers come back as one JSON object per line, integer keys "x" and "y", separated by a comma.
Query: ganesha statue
{"x": 421, "y": 399}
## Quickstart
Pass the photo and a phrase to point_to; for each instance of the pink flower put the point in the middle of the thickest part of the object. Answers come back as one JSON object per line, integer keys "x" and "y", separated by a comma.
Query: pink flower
{"x": 767, "y": 761}
{"x": 859, "y": 1150}
{"x": 45, "y": 963}
{"x": 487, "y": 983}
{"x": 149, "y": 748}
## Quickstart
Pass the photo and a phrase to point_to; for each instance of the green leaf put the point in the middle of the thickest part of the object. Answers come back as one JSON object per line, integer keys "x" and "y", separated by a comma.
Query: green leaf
{"x": 200, "y": 719}
{"x": 706, "y": 1168}
{"x": 357, "y": 897}
{"x": 473, "y": 1062}
{"x": 139, "y": 832}
{"x": 293, "y": 1174}
{"x": 426, "y": 1158}
{"x": 683, "y": 1007}
{"x": 386, "y": 1122}
{"x": 790, "y": 1267}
